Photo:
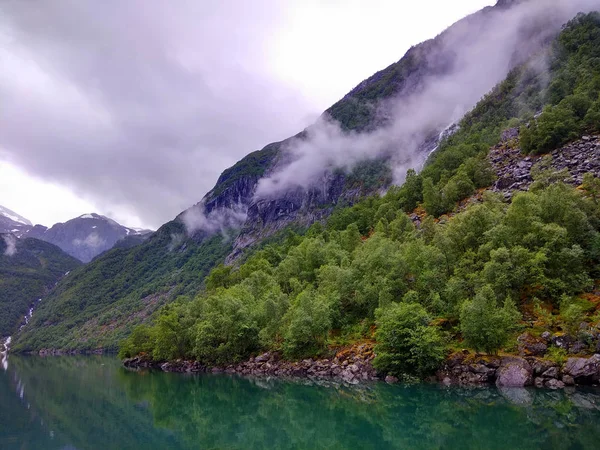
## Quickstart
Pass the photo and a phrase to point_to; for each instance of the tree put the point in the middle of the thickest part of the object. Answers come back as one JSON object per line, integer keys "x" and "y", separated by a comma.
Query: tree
{"x": 227, "y": 330}
{"x": 432, "y": 198}
{"x": 411, "y": 193}
{"x": 406, "y": 344}
{"x": 486, "y": 326}
{"x": 308, "y": 323}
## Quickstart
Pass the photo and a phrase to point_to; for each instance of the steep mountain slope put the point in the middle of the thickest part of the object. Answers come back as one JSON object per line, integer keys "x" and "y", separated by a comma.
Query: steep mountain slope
{"x": 86, "y": 236}
{"x": 29, "y": 268}
{"x": 11, "y": 222}
{"x": 490, "y": 267}
{"x": 401, "y": 110}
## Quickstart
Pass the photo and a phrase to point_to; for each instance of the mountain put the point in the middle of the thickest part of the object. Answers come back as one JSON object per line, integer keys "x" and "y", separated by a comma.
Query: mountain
{"x": 29, "y": 268}
{"x": 494, "y": 246}
{"x": 86, "y": 236}
{"x": 420, "y": 108}
{"x": 83, "y": 237}
{"x": 11, "y": 222}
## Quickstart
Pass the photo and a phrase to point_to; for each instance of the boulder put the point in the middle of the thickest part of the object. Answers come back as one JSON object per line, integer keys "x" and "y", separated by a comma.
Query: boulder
{"x": 562, "y": 341}
{"x": 540, "y": 366}
{"x": 514, "y": 372}
{"x": 577, "y": 347}
{"x": 583, "y": 370}
{"x": 553, "y": 383}
{"x": 263, "y": 358}
{"x": 552, "y": 372}
{"x": 391, "y": 380}
{"x": 546, "y": 336}
{"x": 568, "y": 380}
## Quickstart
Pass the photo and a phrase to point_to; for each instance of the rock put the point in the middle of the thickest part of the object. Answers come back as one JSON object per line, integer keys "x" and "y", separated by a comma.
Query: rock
{"x": 546, "y": 335}
{"x": 514, "y": 372}
{"x": 583, "y": 370}
{"x": 391, "y": 380}
{"x": 553, "y": 383}
{"x": 539, "y": 366}
{"x": 538, "y": 382}
{"x": 263, "y": 358}
{"x": 561, "y": 341}
{"x": 552, "y": 372}
{"x": 531, "y": 346}
{"x": 568, "y": 380}
{"x": 577, "y": 347}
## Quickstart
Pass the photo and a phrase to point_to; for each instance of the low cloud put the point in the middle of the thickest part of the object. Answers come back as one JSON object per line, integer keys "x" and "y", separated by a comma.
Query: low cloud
{"x": 93, "y": 240}
{"x": 219, "y": 220}
{"x": 462, "y": 65}
{"x": 11, "y": 244}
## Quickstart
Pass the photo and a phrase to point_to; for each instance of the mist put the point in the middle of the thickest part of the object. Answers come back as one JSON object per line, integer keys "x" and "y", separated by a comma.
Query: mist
{"x": 484, "y": 47}
{"x": 11, "y": 244}
{"x": 219, "y": 220}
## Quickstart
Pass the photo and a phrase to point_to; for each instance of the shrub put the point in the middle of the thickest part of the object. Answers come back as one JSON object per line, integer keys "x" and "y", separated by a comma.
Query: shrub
{"x": 486, "y": 326}
{"x": 406, "y": 344}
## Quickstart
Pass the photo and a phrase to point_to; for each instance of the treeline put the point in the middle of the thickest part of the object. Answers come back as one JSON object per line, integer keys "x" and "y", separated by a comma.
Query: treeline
{"x": 424, "y": 289}
{"x": 473, "y": 271}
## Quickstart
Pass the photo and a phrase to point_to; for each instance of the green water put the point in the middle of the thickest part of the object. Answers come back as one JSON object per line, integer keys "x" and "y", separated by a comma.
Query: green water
{"x": 93, "y": 403}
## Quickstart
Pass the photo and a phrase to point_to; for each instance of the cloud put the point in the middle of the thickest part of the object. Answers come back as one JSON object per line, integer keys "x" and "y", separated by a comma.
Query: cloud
{"x": 11, "y": 244}
{"x": 219, "y": 220}
{"x": 93, "y": 240}
{"x": 139, "y": 105}
{"x": 464, "y": 63}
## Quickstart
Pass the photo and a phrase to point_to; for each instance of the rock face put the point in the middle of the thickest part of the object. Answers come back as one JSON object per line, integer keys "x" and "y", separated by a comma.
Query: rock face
{"x": 514, "y": 372}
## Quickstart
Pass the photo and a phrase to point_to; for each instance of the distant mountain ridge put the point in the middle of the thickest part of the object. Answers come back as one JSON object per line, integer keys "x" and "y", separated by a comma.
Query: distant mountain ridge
{"x": 83, "y": 237}
{"x": 86, "y": 236}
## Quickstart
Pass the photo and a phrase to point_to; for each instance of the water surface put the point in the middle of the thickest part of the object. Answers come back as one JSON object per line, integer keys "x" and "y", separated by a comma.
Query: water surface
{"x": 93, "y": 403}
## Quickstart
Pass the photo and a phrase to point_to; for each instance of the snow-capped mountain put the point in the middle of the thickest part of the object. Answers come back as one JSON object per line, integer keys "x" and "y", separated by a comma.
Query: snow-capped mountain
{"x": 83, "y": 237}
{"x": 86, "y": 236}
{"x": 11, "y": 222}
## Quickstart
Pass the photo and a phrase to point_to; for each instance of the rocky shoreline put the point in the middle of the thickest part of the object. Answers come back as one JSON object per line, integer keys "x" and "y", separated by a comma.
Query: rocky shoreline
{"x": 515, "y": 371}
{"x": 351, "y": 367}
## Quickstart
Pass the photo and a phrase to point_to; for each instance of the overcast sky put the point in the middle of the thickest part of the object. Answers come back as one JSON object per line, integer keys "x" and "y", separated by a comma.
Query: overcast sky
{"x": 132, "y": 108}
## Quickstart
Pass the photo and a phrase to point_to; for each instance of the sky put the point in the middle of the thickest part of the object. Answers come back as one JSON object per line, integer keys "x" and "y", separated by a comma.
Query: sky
{"x": 132, "y": 109}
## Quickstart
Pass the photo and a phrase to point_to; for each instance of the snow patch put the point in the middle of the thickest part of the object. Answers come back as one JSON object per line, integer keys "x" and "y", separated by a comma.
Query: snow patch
{"x": 87, "y": 216}
{"x": 14, "y": 216}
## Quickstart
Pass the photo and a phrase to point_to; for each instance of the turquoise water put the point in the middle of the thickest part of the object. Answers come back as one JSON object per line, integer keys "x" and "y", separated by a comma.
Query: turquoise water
{"x": 93, "y": 403}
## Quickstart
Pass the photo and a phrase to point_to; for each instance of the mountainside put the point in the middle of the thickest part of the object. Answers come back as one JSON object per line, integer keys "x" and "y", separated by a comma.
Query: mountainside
{"x": 29, "y": 268}
{"x": 400, "y": 113}
{"x": 86, "y": 236}
{"x": 487, "y": 249}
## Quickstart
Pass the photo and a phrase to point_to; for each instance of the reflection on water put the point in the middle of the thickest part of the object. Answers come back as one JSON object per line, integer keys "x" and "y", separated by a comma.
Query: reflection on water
{"x": 92, "y": 403}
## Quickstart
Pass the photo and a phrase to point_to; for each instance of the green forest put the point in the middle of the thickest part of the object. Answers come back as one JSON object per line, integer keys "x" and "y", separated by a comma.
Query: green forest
{"x": 27, "y": 275}
{"x": 473, "y": 276}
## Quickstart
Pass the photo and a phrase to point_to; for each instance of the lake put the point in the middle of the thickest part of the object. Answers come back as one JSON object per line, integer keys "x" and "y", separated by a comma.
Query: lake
{"x": 92, "y": 402}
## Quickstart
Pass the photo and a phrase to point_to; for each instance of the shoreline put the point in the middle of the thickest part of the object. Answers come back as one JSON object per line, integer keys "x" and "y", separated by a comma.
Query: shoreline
{"x": 460, "y": 369}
